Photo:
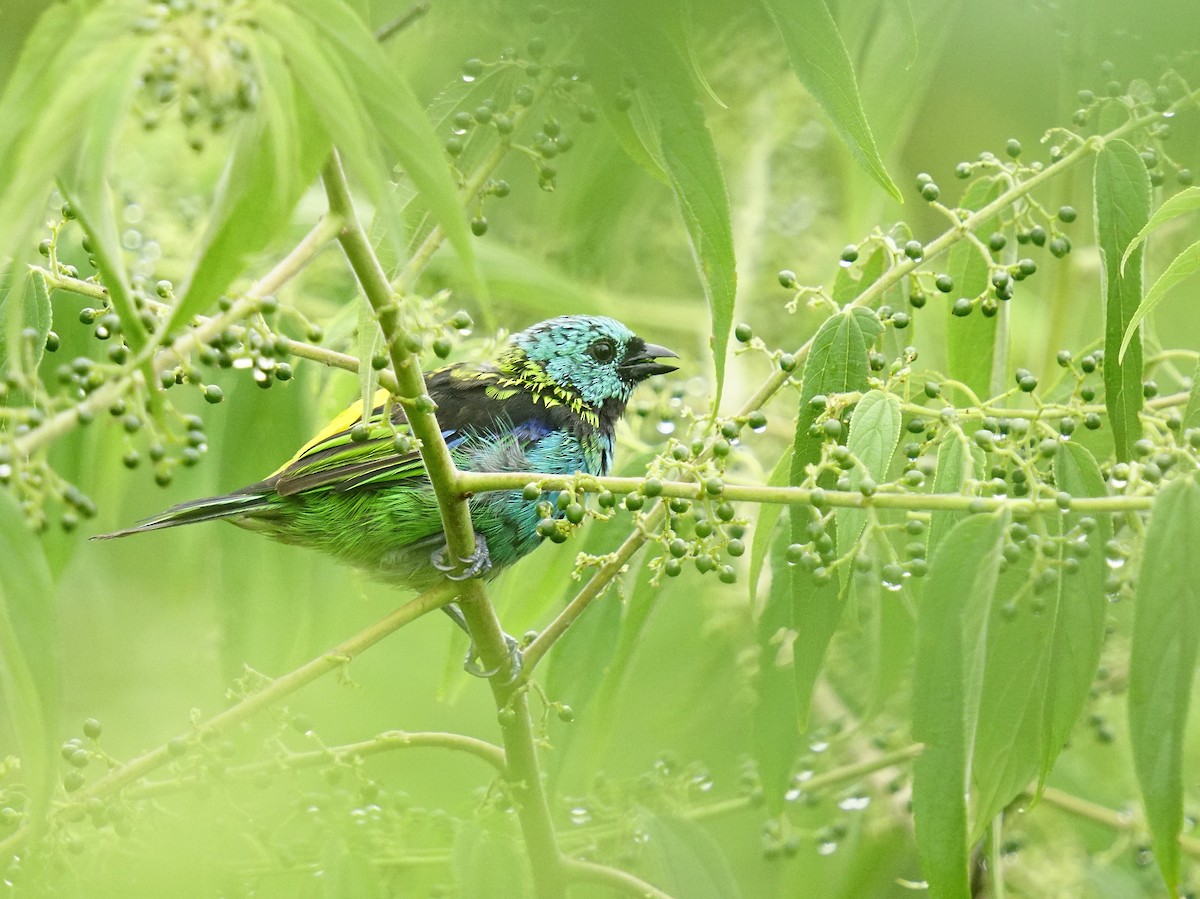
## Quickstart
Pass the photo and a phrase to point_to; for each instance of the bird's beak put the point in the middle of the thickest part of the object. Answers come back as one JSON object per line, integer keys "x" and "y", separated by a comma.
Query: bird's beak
{"x": 642, "y": 364}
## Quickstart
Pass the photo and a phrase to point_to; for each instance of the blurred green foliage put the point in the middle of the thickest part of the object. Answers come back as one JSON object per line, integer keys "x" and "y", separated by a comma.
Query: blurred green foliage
{"x": 669, "y": 744}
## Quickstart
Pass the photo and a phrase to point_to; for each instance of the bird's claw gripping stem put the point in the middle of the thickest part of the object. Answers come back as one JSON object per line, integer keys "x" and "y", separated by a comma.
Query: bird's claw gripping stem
{"x": 477, "y": 564}
{"x": 515, "y": 662}
{"x": 472, "y": 664}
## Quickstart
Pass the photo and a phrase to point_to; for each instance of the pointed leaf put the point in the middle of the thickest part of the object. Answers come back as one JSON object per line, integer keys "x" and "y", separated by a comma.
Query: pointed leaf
{"x": 971, "y": 340}
{"x": 1042, "y": 650}
{"x": 1174, "y": 206}
{"x": 1122, "y": 192}
{"x": 776, "y": 736}
{"x": 693, "y": 864}
{"x": 275, "y": 157}
{"x": 689, "y": 158}
{"x": 86, "y": 187}
{"x": 1191, "y": 412}
{"x": 837, "y": 363}
{"x": 1162, "y": 664}
{"x": 1182, "y": 266}
{"x": 24, "y": 307}
{"x": 874, "y": 435}
{"x": 488, "y": 862}
{"x": 951, "y": 639}
{"x": 397, "y": 115}
{"x": 819, "y": 59}
{"x": 28, "y": 668}
{"x": 959, "y": 461}
{"x": 768, "y": 516}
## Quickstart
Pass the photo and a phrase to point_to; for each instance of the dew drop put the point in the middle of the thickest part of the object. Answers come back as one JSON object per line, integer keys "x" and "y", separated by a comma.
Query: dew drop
{"x": 827, "y": 848}
{"x": 243, "y": 362}
{"x": 580, "y": 815}
{"x": 854, "y": 803}
{"x": 665, "y": 427}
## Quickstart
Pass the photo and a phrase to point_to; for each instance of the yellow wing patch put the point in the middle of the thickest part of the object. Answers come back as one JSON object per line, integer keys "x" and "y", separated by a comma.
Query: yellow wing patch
{"x": 343, "y": 421}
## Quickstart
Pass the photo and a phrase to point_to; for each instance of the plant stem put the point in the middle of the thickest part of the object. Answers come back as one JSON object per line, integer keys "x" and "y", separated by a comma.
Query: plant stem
{"x": 385, "y": 742}
{"x": 277, "y": 689}
{"x": 472, "y": 482}
{"x": 1101, "y": 815}
{"x": 614, "y": 878}
{"x": 411, "y": 15}
{"x": 524, "y": 774}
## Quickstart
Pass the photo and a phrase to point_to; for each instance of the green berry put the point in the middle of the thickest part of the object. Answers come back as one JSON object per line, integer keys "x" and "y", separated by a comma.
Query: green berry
{"x": 944, "y": 283}
{"x": 787, "y": 278}
{"x": 743, "y": 332}
{"x": 961, "y": 307}
{"x": 1067, "y": 214}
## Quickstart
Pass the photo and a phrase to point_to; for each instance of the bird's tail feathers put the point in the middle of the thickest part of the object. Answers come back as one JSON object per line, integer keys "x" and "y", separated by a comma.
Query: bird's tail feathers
{"x": 229, "y": 506}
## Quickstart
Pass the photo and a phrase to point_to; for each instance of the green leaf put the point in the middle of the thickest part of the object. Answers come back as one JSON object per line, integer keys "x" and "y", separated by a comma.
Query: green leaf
{"x": 1182, "y": 266}
{"x": 29, "y": 677}
{"x": 488, "y": 862}
{"x": 874, "y": 435}
{"x": 1122, "y": 192}
{"x": 952, "y": 631}
{"x": 776, "y": 736}
{"x": 768, "y": 515}
{"x": 1191, "y": 412}
{"x": 693, "y": 864}
{"x": 820, "y": 61}
{"x": 971, "y": 341}
{"x": 1179, "y": 204}
{"x": 50, "y": 123}
{"x": 682, "y": 141}
{"x": 1162, "y": 664}
{"x": 275, "y": 157}
{"x": 85, "y": 185}
{"x": 959, "y": 461}
{"x": 25, "y": 305}
{"x": 398, "y": 117}
{"x": 1043, "y": 650}
{"x": 837, "y": 363}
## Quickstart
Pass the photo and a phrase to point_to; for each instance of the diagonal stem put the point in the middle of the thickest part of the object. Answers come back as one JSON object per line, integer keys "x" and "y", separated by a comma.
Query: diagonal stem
{"x": 525, "y": 779}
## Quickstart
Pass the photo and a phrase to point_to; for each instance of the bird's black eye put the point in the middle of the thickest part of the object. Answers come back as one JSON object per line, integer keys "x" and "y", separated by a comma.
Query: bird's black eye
{"x": 603, "y": 350}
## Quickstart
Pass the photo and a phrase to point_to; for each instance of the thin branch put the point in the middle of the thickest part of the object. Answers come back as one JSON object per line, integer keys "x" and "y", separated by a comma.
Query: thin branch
{"x": 105, "y": 395}
{"x": 623, "y": 881}
{"x": 276, "y": 690}
{"x": 388, "y": 741}
{"x": 472, "y": 482}
{"x": 394, "y": 27}
{"x": 1121, "y": 821}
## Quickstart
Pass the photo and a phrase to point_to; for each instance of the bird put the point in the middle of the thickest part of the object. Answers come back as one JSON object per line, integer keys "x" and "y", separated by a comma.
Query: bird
{"x": 549, "y": 401}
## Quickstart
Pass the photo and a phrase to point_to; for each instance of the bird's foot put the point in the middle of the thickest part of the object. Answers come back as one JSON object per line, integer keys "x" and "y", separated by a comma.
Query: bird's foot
{"x": 477, "y": 564}
{"x": 514, "y": 662}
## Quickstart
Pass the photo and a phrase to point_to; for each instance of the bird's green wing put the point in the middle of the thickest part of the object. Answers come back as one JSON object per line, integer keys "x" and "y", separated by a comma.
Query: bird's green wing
{"x": 335, "y": 460}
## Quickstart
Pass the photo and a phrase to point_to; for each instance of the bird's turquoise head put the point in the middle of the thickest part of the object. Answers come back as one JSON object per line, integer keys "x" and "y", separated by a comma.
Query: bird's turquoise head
{"x": 593, "y": 357}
